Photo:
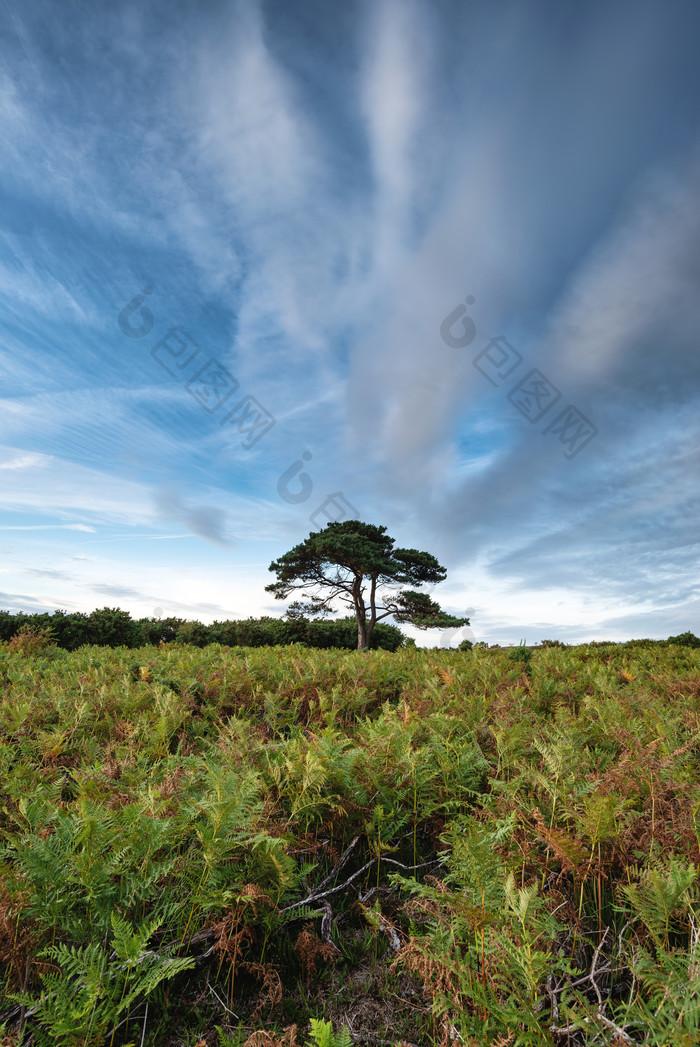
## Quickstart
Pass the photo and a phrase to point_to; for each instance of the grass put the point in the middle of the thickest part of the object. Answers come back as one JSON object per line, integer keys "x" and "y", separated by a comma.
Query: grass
{"x": 224, "y": 845}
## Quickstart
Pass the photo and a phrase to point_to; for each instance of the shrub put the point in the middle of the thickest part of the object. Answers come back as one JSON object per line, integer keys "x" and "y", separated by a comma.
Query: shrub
{"x": 520, "y": 654}
{"x": 30, "y": 640}
{"x": 194, "y": 633}
{"x": 111, "y": 627}
{"x": 685, "y": 640}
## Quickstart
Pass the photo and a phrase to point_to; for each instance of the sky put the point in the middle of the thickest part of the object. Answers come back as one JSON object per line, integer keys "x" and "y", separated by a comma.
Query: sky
{"x": 433, "y": 265}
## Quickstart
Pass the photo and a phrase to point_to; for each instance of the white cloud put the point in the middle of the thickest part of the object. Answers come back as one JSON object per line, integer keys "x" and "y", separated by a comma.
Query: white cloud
{"x": 255, "y": 138}
{"x": 68, "y": 488}
{"x": 47, "y": 527}
{"x": 26, "y": 461}
{"x": 396, "y": 49}
{"x": 639, "y": 274}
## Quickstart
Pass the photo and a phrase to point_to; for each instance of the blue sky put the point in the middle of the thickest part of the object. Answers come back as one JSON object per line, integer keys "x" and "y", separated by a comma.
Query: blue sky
{"x": 237, "y": 244}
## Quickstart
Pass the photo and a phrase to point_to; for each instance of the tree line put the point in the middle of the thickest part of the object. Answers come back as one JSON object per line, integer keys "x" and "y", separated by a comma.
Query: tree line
{"x": 112, "y": 627}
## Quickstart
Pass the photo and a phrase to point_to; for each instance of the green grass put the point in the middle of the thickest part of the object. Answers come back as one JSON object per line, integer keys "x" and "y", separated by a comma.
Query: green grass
{"x": 505, "y": 849}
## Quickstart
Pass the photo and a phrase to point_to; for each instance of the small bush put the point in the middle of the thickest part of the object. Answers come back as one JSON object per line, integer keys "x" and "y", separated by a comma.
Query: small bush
{"x": 30, "y": 640}
{"x": 520, "y": 654}
{"x": 685, "y": 640}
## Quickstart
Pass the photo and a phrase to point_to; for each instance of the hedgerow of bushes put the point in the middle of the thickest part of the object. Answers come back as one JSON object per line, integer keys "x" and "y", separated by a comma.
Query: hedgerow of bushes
{"x": 112, "y": 627}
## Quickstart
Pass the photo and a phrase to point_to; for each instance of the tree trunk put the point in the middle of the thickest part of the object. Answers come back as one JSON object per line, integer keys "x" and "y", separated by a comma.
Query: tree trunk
{"x": 362, "y": 635}
{"x": 373, "y": 611}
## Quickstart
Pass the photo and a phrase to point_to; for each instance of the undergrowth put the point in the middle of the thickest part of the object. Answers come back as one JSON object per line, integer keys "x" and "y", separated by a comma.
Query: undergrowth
{"x": 280, "y": 846}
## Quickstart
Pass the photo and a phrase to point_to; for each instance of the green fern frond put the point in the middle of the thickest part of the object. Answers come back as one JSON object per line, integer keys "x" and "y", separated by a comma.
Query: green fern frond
{"x": 663, "y": 892}
{"x": 322, "y": 1035}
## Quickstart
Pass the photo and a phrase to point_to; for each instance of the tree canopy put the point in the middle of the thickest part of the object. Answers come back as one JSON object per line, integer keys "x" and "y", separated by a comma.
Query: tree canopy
{"x": 357, "y": 564}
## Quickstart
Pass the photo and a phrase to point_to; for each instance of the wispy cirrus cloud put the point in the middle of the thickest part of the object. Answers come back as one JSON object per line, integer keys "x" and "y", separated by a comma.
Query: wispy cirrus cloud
{"x": 396, "y": 102}
{"x": 47, "y": 527}
{"x": 636, "y": 286}
{"x": 309, "y": 192}
{"x": 24, "y": 461}
{"x": 206, "y": 521}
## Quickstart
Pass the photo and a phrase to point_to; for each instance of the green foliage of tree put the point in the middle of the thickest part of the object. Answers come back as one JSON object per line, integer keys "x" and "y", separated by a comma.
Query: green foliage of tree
{"x": 343, "y": 634}
{"x": 358, "y": 565}
{"x": 115, "y": 628}
{"x": 111, "y": 627}
{"x": 686, "y": 639}
{"x": 157, "y": 630}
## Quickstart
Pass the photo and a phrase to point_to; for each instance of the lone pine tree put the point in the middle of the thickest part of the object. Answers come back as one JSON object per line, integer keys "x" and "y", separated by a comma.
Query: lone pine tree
{"x": 356, "y": 563}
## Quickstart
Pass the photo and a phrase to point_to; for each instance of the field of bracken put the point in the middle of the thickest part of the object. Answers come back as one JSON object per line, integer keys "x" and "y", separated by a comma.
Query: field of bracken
{"x": 282, "y": 846}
